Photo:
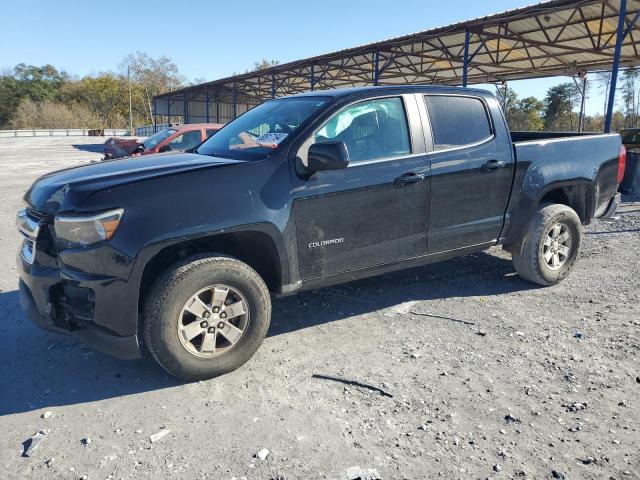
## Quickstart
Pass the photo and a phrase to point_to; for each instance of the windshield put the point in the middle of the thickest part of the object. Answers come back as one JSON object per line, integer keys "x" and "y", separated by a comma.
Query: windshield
{"x": 262, "y": 129}
{"x": 154, "y": 140}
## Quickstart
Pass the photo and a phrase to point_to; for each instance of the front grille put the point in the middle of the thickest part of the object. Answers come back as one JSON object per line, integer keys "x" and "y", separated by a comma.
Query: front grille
{"x": 29, "y": 227}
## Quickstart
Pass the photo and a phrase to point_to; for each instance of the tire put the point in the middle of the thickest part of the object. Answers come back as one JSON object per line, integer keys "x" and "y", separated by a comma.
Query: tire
{"x": 168, "y": 317}
{"x": 534, "y": 258}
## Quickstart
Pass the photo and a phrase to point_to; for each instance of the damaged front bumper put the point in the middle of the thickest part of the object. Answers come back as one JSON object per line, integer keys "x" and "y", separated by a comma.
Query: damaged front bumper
{"x": 90, "y": 307}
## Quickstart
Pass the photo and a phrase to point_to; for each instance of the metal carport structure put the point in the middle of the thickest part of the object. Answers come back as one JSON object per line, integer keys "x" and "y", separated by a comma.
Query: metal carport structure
{"x": 557, "y": 37}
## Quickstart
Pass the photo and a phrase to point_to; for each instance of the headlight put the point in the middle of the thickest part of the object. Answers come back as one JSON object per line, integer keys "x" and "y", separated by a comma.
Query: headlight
{"x": 77, "y": 231}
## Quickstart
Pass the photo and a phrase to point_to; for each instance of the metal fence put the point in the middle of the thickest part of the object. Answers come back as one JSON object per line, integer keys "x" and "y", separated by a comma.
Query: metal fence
{"x": 61, "y": 132}
{"x": 147, "y": 130}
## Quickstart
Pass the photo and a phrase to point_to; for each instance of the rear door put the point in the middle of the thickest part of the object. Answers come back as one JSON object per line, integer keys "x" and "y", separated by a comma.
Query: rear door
{"x": 375, "y": 210}
{"x": 471, "y": 171}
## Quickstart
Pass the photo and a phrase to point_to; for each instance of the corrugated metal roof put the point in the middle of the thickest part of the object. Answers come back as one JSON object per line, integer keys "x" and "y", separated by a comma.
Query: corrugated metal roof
{"x": 558, "y": 37}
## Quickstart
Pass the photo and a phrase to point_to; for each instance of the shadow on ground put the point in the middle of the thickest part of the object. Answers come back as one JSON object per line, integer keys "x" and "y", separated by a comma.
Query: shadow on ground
{"x": 480, "y": 274}
{"x": 41, "y": 369}
{"x": 90, "y": 147}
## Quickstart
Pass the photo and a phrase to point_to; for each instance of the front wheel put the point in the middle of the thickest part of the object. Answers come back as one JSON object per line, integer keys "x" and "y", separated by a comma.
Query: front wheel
{"x": 550, "y": 247}
{"x": 206, "y": 317}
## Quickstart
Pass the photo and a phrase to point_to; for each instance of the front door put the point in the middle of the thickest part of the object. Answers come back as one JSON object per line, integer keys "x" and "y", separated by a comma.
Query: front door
{"x": 374, "y": 211}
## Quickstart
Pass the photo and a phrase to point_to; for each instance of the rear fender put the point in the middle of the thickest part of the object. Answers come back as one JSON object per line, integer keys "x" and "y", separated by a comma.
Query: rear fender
{"x": 577, "y": 193}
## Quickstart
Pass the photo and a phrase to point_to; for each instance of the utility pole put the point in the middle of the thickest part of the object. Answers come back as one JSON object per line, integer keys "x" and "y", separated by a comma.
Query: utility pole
{"x": 130, "y": 108}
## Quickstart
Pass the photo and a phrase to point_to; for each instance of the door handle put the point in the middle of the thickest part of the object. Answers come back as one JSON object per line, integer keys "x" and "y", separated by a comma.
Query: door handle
{"x": 409, "y": 177}
{"x": 493, "y": 165}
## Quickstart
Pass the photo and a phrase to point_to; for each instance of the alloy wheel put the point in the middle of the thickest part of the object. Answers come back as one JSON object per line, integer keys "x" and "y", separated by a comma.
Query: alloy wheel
{"x": 213, "y": 321}
{"x": 557, "y": 246}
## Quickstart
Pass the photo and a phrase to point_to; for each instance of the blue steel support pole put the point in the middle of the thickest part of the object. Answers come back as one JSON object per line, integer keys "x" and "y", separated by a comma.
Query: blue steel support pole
{"x": 206, "y": 103}
{"x": 313, "y": 78}
{"x": 273, "y": 85}
{"x": 185, "y": 108}
{"x": 465, "y": 65}
{"x": 376, "y": 64}
{"x": 616, "y": 65}
{"x": 235, "y": 97}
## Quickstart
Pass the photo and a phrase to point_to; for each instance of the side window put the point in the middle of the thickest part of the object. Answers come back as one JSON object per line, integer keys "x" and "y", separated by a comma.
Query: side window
{"x": 186, "y": 140}
{"x": 457, "y": 121}
{"x": 210, "y": 132}
{"x": 372, "y": 130}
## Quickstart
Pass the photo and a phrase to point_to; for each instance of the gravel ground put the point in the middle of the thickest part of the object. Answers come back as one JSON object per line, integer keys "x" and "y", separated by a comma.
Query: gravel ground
{"x": 457, "y": 370}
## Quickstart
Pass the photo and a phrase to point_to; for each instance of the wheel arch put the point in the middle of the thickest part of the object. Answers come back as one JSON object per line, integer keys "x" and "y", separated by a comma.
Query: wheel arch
{"x": 578, "y": 195}
{"x": 254, "y": 245}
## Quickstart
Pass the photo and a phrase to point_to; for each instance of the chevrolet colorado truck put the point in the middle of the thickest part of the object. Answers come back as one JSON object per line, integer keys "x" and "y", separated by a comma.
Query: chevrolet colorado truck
{"x": 184, "y": 250}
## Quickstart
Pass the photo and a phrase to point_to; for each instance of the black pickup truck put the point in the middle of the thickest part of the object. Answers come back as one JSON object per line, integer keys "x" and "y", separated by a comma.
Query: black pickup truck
{"x": 183, "y": 250}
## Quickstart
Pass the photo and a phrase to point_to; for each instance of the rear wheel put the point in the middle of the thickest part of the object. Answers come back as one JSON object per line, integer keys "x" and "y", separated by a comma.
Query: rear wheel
{"x": 550, "y": 247}
{"x": 206, "y": 317}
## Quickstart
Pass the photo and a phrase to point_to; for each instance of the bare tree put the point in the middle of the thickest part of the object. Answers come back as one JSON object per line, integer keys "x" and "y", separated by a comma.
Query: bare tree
{"x": 630, "y": 90}
{"x": 152, "y": 75}
{"x": 51, "y": 114}
{"x": 603, "y": 80}
{"x": 264, "y": 63}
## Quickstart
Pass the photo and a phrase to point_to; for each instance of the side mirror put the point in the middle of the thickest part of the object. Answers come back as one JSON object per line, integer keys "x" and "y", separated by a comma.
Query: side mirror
{"x": 166, "y": 148}
{"x": 327, "y": 156}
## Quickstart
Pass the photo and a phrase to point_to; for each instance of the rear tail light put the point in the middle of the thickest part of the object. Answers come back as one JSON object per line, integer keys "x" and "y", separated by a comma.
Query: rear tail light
{"x": 622, "y": 162}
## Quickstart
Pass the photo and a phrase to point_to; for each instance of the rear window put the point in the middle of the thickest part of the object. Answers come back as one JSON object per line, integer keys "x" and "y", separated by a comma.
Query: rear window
{"x": 457, "y": 121}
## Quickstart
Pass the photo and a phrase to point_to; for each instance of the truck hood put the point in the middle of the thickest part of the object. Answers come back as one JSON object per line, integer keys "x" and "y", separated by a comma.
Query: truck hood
{"x": 64, "y": 190}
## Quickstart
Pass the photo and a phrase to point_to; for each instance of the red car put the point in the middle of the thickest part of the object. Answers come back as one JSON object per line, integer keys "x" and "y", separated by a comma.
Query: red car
{"x": 176, "y": 138}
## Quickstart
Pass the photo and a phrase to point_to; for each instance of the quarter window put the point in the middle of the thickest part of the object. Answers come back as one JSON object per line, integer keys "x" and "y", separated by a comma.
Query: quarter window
{"x": 372, "y": 130}
{"x": 457, "y": 121}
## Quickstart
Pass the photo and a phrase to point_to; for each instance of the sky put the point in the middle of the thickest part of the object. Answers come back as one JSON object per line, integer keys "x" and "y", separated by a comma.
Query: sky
{"x": 213, "y": 39}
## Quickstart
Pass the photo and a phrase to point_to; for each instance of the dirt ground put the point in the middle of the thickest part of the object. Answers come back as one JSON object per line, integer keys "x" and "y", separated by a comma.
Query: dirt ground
{"x": 454, "y": 370}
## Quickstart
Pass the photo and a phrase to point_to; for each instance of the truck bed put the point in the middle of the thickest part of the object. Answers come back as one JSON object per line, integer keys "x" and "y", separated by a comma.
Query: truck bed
{"x": 570, "y": 157}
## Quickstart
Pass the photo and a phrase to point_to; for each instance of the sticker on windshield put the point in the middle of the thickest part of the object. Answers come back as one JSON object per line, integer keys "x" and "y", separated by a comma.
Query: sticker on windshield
{"x": 271, "y": 139}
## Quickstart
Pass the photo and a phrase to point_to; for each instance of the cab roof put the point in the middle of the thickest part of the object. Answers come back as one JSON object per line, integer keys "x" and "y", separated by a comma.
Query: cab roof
{"x": 345, "y": 92}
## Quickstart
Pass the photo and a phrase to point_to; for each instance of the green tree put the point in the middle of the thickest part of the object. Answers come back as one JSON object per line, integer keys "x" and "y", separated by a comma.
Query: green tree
{"x": 105, "y": 96}
{"x": 559, "y": 104}
{"x": 9, "y": 98}
{"x": 532, "y": 108}
{"x": 522, "y": 115}
{"x": 28, "y": 81}
{"x": 39, "y": 83}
